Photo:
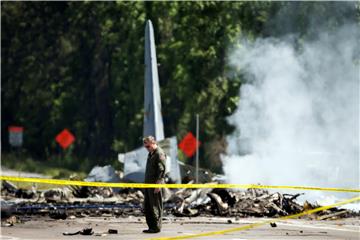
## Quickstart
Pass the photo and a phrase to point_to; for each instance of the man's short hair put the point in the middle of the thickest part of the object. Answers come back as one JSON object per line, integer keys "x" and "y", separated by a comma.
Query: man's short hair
{"x": 149, "y": 139}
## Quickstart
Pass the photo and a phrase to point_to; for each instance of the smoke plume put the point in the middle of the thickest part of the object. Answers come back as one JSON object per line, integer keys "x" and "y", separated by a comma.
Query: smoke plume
{"x": 297, "y": 121}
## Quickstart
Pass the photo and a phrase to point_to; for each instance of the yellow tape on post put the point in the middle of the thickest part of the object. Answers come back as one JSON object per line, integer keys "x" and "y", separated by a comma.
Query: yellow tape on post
{"x": 145, "y": 185}
{"x": 253, "y": 225}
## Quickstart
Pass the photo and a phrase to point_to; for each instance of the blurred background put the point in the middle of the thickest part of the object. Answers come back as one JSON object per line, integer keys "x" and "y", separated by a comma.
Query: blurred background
{"x": 80, "y": 66}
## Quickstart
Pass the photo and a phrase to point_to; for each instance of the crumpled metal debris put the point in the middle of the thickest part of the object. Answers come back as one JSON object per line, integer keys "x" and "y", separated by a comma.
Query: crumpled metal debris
{"x": 85, "y": 192}
{"x": 59, "y": 203}
{"x": 9, "y": 189}
{"x": 113, "y": 231}
{"x": 224, "y": 202}
{"x": 7, "y": 209}
{"x": 56, "y": 195}
{"x": 58, "y": 214}
{"x": 89, "y": 231}
{"x": 221, "y": 207}
{"x": 85, "y": 231}
{"x": 103, "y": 174}
{"x": 10, "y": 221}
{"x": 273, "y": 224}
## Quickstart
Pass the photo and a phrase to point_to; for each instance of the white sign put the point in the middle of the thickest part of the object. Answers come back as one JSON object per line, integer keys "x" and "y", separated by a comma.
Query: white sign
{"x": 16, "y": 136}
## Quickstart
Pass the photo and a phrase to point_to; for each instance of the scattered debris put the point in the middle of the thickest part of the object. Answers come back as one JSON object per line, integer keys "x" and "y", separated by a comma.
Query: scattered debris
{"x": 7, "y": 209}
{"x": 8, "y": 186}
{"x": 9, "y": 189}
{"x": 333, "y": 216}
{"x": 78, "y": 202}
{"x": 259, "y": 203}
{"x": 56, "y": 195}
{"x": 103, "y": 174}
{"x": 7, "y": 225}
{"x": 113, "y": 231}
{"x": 308, "y": 206}
{"x": 272, "y": 224}
{"x": 58, "y": 214}
{"x": 71, "y": 234}
{"x": 85, "y": 231}
{"x": 9, "y": 222}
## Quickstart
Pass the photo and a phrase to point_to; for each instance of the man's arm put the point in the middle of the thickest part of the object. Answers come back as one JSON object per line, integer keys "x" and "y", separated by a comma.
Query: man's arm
{"x": 161, "y": 170}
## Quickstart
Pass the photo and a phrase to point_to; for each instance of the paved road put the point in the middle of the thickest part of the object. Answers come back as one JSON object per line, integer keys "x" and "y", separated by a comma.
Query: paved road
{"x": 131, "y": 228}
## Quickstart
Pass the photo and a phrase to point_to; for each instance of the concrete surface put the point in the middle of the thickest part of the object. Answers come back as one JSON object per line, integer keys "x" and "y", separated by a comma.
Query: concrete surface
{"x": 131, "y": 228}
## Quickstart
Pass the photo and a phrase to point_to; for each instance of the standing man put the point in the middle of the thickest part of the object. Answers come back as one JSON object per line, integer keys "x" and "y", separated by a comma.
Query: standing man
{"x": 154, "y": 173}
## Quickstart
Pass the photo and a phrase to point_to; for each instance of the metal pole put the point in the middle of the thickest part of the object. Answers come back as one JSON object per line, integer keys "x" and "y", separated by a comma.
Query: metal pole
{"x": 197, "y": 148}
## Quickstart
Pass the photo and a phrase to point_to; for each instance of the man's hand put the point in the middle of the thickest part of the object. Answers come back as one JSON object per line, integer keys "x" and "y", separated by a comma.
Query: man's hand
{"x": 157, "y": 190}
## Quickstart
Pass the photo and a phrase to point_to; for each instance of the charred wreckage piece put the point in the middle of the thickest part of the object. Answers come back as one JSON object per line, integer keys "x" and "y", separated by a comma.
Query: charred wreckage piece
{"x": 77, "y": 202}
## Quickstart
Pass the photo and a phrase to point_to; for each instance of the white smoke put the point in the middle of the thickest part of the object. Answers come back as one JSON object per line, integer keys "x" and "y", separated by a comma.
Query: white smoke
{"x": 298, "y": 117}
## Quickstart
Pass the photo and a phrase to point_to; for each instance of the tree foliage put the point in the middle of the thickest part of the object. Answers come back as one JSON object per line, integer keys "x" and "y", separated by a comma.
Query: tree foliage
{"x": 79, "y": 65}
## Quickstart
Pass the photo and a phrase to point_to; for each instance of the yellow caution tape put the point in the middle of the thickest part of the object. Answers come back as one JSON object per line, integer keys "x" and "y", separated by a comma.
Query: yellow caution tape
{"x": 249, "y": 226}
{"x": 143, "y": 185}
{"x": 148, "y": 185}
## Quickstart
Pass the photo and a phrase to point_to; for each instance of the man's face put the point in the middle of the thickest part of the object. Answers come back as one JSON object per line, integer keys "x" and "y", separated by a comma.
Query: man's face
{"x": 149, "y": 146}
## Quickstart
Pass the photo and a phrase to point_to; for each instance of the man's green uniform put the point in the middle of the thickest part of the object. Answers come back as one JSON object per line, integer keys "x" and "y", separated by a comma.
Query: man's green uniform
{"x": 155, "y": 171}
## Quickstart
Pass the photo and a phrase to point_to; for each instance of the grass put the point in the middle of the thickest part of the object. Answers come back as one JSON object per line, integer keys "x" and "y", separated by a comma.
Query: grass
{"x": 56, "y": 167}
{"x": 27, "y": 164}
{"x": 39, "y": 186}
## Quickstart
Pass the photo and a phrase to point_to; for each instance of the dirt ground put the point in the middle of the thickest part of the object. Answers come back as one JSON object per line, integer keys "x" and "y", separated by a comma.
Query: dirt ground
{"x": 131, "y": 228}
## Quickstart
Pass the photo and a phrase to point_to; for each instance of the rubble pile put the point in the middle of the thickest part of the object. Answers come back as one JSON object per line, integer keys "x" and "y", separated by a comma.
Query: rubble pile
{"x": 224, "y": 202}
{"x": 74, "y": 202}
